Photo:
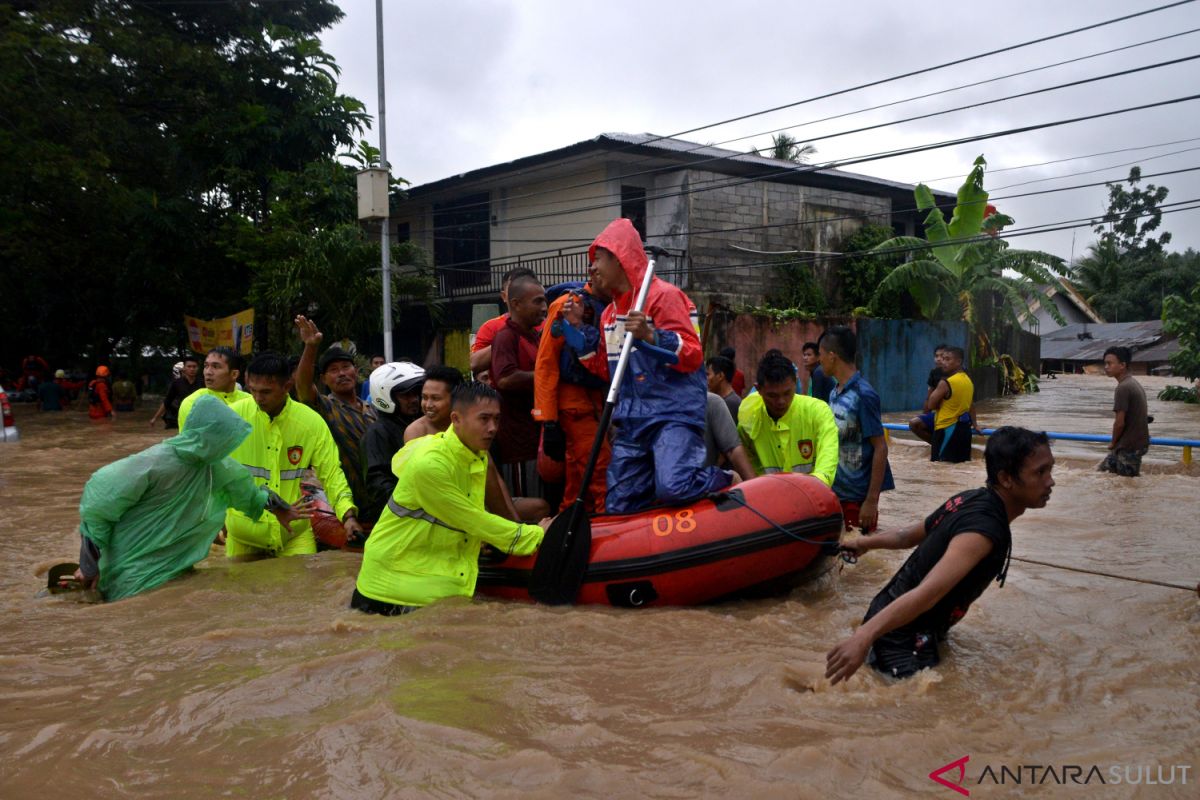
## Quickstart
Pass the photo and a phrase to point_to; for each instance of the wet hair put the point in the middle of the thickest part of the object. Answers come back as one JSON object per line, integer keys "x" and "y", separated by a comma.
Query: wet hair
{"x": 958, "y": 352}
{"x": 728, "y": 352}
{"x": 195, "y": 359}
{"x": 447, "y": 375}
{"x": 722, "y": 365}
{"x": 232, "y": 359}
{"x": 1006, "y": 451}
{"x": 840, "y": 341}
{"x": 293, "y": 363}
{"x": 809, "y": 347}
{"x": 517, "y": 272}
{"x": 270, "y": 365}
{"x": 468, "y": 393}
{"x": 939, "y": 348}
{"x": 775, "y": 367}
{"x": 1123, "y": 354}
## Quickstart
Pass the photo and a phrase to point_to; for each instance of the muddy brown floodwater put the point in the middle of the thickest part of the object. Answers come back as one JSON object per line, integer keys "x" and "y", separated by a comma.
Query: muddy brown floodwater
{"x": 255, "y": 681}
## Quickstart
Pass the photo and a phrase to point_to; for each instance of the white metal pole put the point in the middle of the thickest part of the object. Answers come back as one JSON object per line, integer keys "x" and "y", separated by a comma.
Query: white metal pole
{"x": 385, "y": 242}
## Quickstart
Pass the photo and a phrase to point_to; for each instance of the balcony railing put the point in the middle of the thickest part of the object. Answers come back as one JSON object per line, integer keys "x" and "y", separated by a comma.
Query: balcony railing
{"x": 482, "y": 280}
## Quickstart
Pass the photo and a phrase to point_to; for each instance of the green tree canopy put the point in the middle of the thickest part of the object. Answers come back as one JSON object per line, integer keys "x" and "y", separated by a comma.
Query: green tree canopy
{"x": 143, "y": 149}
{"x": 1126, "y": 273}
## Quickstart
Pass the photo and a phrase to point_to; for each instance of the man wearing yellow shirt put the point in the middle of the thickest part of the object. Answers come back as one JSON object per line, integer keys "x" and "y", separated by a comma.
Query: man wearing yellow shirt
{"x": 286, "y": 439}
{"x": 222, "y": 368}
{"x": 425, "y": 546}
{"x": 784, "y": 431}
{"x": 953, "y": 401}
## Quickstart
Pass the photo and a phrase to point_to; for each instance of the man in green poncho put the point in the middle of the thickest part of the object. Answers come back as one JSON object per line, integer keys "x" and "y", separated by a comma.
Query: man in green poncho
{"x": 149, "y": 517}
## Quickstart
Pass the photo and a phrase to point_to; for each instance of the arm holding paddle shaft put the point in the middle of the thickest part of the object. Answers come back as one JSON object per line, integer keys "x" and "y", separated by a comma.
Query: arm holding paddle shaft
{"x": 563, "y": 558}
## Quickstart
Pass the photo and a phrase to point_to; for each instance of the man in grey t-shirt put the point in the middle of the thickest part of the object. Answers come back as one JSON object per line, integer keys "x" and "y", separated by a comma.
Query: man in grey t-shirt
{"x": 1131, "y": 428}
{"x": 721, "y": 439}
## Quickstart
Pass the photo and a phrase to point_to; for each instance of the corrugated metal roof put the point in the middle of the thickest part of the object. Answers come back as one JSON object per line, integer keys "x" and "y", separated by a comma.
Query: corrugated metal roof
{"x": 693, "y": 151}
{"x": 708, "y": 151}
{"x": 1086, "y": 341}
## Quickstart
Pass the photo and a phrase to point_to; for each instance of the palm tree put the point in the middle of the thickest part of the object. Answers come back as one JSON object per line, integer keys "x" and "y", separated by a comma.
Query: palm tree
{"x": 961, "y": 267}
{"x": 785, "y": 147}
{"x": 1101, "y": 276}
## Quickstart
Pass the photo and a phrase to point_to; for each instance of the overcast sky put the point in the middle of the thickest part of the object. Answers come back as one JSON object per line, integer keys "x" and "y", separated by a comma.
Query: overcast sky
{"x": 471, "y": 83}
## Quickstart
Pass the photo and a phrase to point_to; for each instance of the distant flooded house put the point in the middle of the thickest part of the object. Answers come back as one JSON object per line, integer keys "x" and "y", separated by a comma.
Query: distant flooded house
{"x": 724, "y": 216}
{"x": 1080, "y": 347}
{"x": 1070, "y": 304}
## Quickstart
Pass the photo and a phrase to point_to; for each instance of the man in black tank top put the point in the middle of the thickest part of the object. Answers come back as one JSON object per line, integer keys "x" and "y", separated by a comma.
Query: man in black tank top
{"x": 961, "y": 548}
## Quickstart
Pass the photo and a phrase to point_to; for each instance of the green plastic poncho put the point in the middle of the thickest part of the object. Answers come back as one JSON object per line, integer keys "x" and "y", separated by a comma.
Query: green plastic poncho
{"x": 155, "y": 514}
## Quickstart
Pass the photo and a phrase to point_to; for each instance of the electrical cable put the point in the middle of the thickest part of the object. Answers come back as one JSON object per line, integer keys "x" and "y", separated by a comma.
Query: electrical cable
{"x": 726, "y": 156}
{"x": 1049, "y": 227}
{"x": 883, "y": 155}
{"x": 871, "y": 84}
{"x": 799, "y": 224}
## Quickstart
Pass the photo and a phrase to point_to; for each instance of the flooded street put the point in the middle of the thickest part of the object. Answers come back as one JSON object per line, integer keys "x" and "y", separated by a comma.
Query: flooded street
{"x": 255, "y": 680}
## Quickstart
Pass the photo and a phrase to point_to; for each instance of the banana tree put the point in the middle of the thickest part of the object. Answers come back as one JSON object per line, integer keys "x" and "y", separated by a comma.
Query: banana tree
{"x": 960, "y": 266}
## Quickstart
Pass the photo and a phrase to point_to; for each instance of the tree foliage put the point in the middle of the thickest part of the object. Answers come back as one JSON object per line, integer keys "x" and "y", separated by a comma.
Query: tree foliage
{"x": 1126, "y": 273}
{"x": 785, "y": 147}
{"x": 1181, "y": 317}
{"x": 860, "y": 272}
{"x": 961, "y": 271}
{"x": 164, "y": 158}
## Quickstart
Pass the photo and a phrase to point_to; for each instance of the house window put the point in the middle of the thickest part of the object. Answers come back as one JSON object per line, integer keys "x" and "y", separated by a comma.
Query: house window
{"x": 462, "y": 241}
{"x": 633, "y": 207}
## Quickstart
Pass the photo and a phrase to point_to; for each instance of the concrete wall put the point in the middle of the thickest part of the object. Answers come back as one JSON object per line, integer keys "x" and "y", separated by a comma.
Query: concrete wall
{"x": 752, "y": 336}
{"x": 809, "y": 220}
{"x": 896, "y": 355}
{"x": 567, "y": 231}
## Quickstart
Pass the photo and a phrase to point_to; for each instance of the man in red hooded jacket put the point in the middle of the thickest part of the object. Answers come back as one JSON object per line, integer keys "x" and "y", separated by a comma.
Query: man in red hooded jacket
{"x": 658, "y": 451}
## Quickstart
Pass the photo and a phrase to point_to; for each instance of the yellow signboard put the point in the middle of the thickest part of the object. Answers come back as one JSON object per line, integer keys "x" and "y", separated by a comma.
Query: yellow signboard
{"x": 236, "y": 332}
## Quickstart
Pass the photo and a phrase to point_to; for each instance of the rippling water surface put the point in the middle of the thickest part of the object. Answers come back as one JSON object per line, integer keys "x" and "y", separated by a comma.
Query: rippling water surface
{"x": 254, "y": 680}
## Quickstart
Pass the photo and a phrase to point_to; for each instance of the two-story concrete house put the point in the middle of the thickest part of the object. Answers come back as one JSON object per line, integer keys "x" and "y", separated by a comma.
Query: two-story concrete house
{"x": 723, "y": 215}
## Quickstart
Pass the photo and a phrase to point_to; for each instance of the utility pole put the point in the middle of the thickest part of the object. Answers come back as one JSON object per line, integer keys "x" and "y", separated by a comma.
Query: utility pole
{"x": 385, "y": 240}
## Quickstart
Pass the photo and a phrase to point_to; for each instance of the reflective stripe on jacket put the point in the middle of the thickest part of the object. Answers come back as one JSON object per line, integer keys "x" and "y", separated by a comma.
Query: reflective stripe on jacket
{"x": 805, "y": 439}
{"x": 276, "y": 454}
{"x": 426, "y": 544}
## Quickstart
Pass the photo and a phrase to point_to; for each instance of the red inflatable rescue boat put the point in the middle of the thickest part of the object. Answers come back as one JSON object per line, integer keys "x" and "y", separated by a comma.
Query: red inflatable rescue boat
{"x": 762, "y": 537}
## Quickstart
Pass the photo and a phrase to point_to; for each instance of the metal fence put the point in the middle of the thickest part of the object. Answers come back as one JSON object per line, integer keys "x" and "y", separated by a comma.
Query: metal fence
{"x": 483, "y": 281}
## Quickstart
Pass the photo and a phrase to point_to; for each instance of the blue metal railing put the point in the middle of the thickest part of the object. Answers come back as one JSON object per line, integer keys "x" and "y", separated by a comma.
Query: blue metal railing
{"x": 1186, "y": 444}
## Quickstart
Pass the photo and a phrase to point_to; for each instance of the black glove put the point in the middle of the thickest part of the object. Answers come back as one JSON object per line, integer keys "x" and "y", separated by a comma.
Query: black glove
{"x": 554, "y": 441}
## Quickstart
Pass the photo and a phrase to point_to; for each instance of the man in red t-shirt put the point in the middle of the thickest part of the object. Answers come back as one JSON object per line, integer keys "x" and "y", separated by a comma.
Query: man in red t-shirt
{"x": 481, "y": 346}
{"x": 514, "y": 355}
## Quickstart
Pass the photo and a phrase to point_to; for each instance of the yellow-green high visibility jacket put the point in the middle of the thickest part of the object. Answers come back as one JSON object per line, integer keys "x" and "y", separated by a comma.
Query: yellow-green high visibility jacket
{"x": 228, "y": 398}
{"x": 276, "y": 454}
{"x": 425, "y": 546}
{"x": 805, "y": 439}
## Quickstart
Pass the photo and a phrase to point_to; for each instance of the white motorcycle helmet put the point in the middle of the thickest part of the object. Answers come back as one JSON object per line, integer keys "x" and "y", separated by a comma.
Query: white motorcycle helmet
{"x": 402, "y": 375}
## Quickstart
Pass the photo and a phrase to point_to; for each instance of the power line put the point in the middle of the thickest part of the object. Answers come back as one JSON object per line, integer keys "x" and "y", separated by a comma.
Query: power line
{"x": 697, "y": 147}
{"x": 1028, "y": 230}
{"x": 1071, "y": 158}
{"x": 879, "y": 82}
{"x": 1101, "y": 169}
{"x": 801, "y": 169}
{"x": 800, "y": 224}
{"x": 1032, "y": 230}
